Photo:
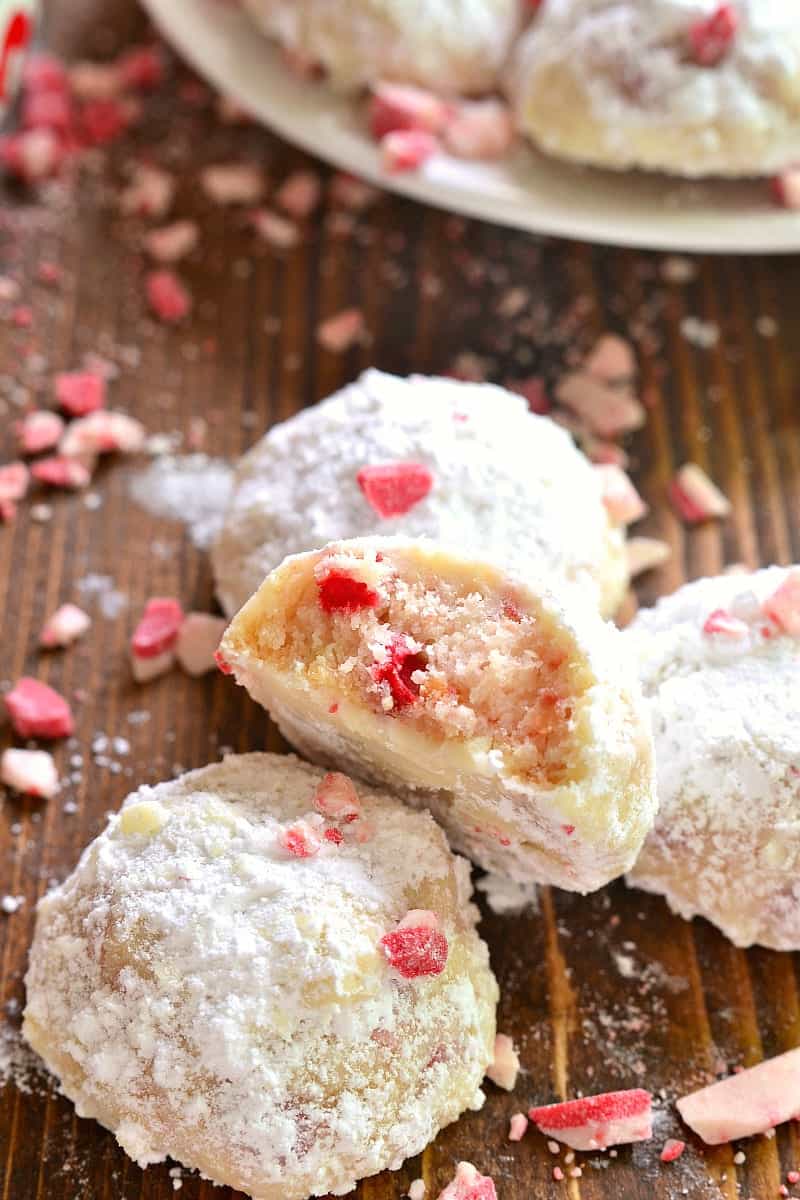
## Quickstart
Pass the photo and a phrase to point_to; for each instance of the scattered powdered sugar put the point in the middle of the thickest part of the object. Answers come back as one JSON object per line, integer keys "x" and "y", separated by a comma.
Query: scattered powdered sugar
{"x": 192, "y": 488}
{"x": 504, "y": 895}
{"x": 110, "y": 601}
{"x": 19, "y": 1065}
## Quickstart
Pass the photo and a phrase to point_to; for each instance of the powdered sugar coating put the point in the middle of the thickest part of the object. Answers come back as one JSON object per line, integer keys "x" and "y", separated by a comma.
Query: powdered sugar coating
{"x": 507, "y": 484}
{"x": 450, "y": 45}
{"x": 726, "y": 716}
{"x": 614, "y": 83}
{"x": 210, "y": 997}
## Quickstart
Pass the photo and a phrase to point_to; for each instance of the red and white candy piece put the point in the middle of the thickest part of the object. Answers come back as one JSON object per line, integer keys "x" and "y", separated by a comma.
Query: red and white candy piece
{"x": 672, "y": 1150}
{"x": 300, "y": 839}
{"x": 750, "y": 1102}
{"x": 65, "y": 626}
{"x": 275, "y": 229}
{"x": 595, "y": 1122}
{"x": 469, "y": 1184}
{"x": 102, "y": 432}
{"x": 37, "y": 710}
{"x": 392, "y": 489}
{"x": 32, "y": 155}
{"x": 149, "y": 194}
{"x": 783, "y": 606}
{"x": 711, "y": 38}
{"x": 407, "y": 149}
{"x": 61, "y": 471}
{"x": 39, "y": 430}
{"x": 167, "y": 297}
{"x": 623, "y": 503}
{"x": 401, "y": 661}
{"x": 336, "y": 798}
{"x": 417, "y": 947}
{"x": 14, "y": 481}
{"x": 233, "y": 183}
{"x": 141, "y": 67}
{"x": 31, "y": 772}
{"x": 695, "y": 497}
{"x": 299, "y": 194}
{"x": 341, "y": 331}
{"x": 198, "y": 638}
{"x": 79, "y": 393}
{"x": 396, "y": 106}
{"x": 721, "y": 623}
{"x": 505, "y": 1064}
{"x": 171, "y": 243}
{"x": 645, "y": 554}
{"x": 517, "y": 1127}
{"x": 153, "y": 642}
{"x": 479, "y": 129}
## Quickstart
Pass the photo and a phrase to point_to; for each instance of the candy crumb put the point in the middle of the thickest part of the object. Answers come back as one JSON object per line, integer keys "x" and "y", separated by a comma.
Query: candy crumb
{"x": 341, "y": 331}
{"x": 517, "y": 1127}
{"x": 695, "y": 498}
{"x": 65, "y": 626}
{"x": 30, "y": 772}
{"x": 198, "y": 639}
{"x": 504, "y": 1068}
{"x": 672, "y": 1150}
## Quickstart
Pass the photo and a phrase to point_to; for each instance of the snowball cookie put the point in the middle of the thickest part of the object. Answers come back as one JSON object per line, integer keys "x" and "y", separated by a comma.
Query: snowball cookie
{"x": 513, "y": 719}
{"x": 266, "y": 974}
{"x": 720, "y": 664}
{"x": 448, "y": 45}
{"x": 693, "y": 87}
{"x": 466, "y": 464}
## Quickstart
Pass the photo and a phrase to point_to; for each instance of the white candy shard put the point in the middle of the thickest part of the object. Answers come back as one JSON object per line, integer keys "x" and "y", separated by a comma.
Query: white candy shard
{"x": 198, "y": 639}
{"x": 750, "y": 1102}
{"x": 65, "y": 626}
{"x": 32, "y": 772}
{"x": 505, "y": 1066}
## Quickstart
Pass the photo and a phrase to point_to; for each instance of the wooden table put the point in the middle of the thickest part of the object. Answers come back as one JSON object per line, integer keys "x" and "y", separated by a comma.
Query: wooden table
{"x": 599, "y": 992}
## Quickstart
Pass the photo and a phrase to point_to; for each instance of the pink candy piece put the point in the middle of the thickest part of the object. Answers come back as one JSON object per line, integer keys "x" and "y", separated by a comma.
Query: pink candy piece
{"x": 233, "y": 183}
{"x": 419, "y": 918}
{"x": 61, "y": 472}
{"x": 746, "y": 1103}
{"x": 31, "y": 772}
{"x": 149, "y": 194}
{"x": 397, "y": 670}
{"x": 505, "y": 1064}
{"x": 336, "y": 798}
{"x": 783, "y": 606}
{"x": 395, "y": 106}
{"x": 299, "y": 194}
{"x": 36, "y": 710}
{"x": 141, "y": 67}
{"x": 102, "y": 432}
{"x": 79, "y": 393}
{"x": 623, "y": 503}
{"x": 786, "y": 188}
{"x": 392, "y": 489}
{"x": 94, "y": 81}
{"x": 517, "y": 1127}
{"x": 407, "y": 149}
{"x": 721, "y": 623}
{"x": 158, "y": 627}
{"x": 595, "y": 1122}
{"x": 673, "y": 1149}
{"x": 333, "y": 835}
{"x": 469, "y": 1184}
{"x": 198, "y": 639}
{"x": 695, "y": 497}
{"x": 606, "y": 410}
{"x": 479, "y": 129}
{"x": 39, "y": 430}
{"x": 145, "y": 669}
{"x": 65, "y": 626}
{"x": 274, "y": 229}
{"x": 47, "y": 110}
{"x": 172, "y": 242}
{"x": 352, "y": 193}
{"x": 644, "y": 554}
{"x": 33, "y": 155}
{"x": 711, "y": 38}
{"x": 103, "y": 121}
{"x": 340, "y": 592}
{"x": 415, "y": 951}
{"x": 14, "y": 480}
{"x": 301, "y": 840}
{"x": 341, "y": 331}
{"x": 167, "y": 296}
{"x": 45, "y": 73}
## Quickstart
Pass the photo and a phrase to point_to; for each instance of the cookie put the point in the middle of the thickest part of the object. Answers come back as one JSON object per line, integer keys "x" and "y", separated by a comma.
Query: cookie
{"x": 692, "y": 87}
{"x": 452, "y": 46}
{"x": 270, "y": 975}
{"x": 720, "y": 667}
{"x": 513, "y": 718}
{"x": 466, "y": 464}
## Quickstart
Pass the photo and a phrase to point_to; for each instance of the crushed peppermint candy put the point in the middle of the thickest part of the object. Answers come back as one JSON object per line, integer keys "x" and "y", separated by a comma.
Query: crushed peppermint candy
{"x": 783, "y": 606}
{"x": 672, "y": 1150}
{"x": 233, "y": 183}
{"x": 517, "y": 1127}
{"x": 596, "y": 1122}
{"x": 336, "y": 797}
{"x": 340, "y": 591}
{"x": 342, "y": 331}
{"x": 711, "y": 38}
{"x": 479, "y": 129}
{"x": 396, "y": 669}
{"x": 79, "y": 393}
{"x": 392, "y": 489}
{"x": 695, "y": 498}
{"x": 38, "y": 431}
{"x": 469, "y": 1184}
{"x": 37, "y": 710}
{"x": 623, "y": 503}
{"x": 407, "y": 149}
{"x": 300, "y": 839}
{"x": 167, "y": 296}
{"x": 65, "y": 626}
{"x": 158, "y": 628}
{"x": 30, "y": 772}
{"x": 721, "y": 623}
{"x": 198, "y": 638}
{"x": 504, "y": 1067}
{"x": 645, "y": 554}
{"x": 102, "y": 432}
{"x": 171, "y": 243}
{"x": 746, "y": 1103}
{"x": 394, "y": 107}
{"x": 61, "y": 471}
{"x": 415, "y": 950}
{"x": 300, "y": 193}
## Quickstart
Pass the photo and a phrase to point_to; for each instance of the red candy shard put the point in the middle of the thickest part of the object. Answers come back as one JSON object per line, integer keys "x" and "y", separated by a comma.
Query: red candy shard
{"x": 710, "y": 38}
{"x": 104, "y": 120}
{"x": 469, "y": 1184}
{"x": 673, "y": 1149}
{"x": 36, "y": 710}
{"x": 340, "y": 592}
{"x": 80, "y": 392}
{"x": 158, "y": 627}
{"x": 334, "y": 835}
{"x": 397, "y": 669}
{"x": 301, "y": 840}
{"x": 224, "y": 667}
{"x": 336, "y": 797}
{"x": 39, "y": 430}
{"x": 167, "y": 296}
{"x": 396, "y": 106}
{"x": 392, "y": 489}
{"x": 595, "y": 1122}
{"x": 32, "y": 155}
{"x": 172, "y": 242}
{"x": 14, "y": 480}
{"x": 695, "y": 497}
{"x": 783, "y": 606}
{"x": 786, "y": 188}
{"x": 722, "y": 623}
{"x": 341, "y": 331}
{"x": 407, "y": 149}
{"x": 621, "y": 499}
{"x": 414, "y": 952}
{"x": 299, "y": 194}
{"x": 141, "y": 68}
{"x": 61, "y": 472}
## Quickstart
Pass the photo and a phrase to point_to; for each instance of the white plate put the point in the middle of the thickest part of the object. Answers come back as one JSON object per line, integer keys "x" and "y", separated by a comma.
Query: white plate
{"x": 527, "y": 190}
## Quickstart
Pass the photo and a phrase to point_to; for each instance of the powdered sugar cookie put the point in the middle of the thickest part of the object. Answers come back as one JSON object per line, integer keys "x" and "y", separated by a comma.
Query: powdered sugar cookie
{"x": 268, "y": 974}
{"x": 720, "y": 664}
{"x": 449, "y": 45}
{"x": 693, "y": 87}
{"x": 514, "y": 720}
{"x": 464, "y": 463}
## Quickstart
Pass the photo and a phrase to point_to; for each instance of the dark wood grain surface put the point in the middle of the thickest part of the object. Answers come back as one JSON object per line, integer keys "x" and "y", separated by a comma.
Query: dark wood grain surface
{"x": 599, "y": 992}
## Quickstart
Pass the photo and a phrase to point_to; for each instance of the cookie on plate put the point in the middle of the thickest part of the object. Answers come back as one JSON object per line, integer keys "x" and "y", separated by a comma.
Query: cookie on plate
{"x": 453, "y": 46}
{"x": 268, "y": 974}
{"x": 720, "y": 666}
{"x": 512, "y": 717}
{"x": 466, "y": 464}
{"x": 692, "y": 87}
